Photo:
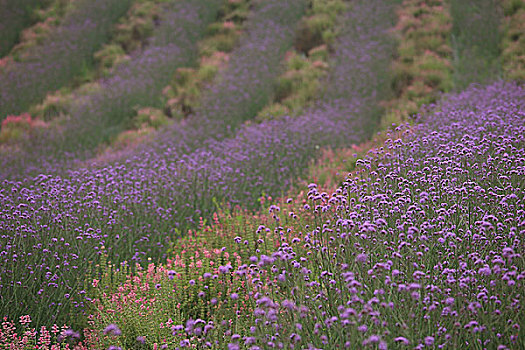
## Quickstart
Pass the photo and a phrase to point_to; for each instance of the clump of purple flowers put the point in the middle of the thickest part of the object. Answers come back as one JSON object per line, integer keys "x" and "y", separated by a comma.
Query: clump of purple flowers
{"x": 421, "y": 246}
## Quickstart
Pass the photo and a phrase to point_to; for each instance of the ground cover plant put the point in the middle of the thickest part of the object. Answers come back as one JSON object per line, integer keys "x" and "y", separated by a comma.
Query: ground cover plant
{"x": 476, "y": 38}
{"x": 60, "y": 58}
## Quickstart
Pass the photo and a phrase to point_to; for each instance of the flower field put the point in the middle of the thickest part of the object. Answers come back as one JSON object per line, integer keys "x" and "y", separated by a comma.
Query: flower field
{"x": 265, "y": 174}
{"x": 65, "y": 53}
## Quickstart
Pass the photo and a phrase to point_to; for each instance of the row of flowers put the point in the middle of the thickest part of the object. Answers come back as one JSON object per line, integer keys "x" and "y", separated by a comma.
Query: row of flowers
{"x": 97, "y": 107}
{"x": 64, "y": 55}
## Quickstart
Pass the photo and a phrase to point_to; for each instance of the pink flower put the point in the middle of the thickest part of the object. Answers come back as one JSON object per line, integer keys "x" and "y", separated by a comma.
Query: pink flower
{"x": 25, "y": 319}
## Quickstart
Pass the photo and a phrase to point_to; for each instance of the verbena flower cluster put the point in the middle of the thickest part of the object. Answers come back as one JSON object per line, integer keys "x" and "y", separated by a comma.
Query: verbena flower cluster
{"x": 422, "y": 247}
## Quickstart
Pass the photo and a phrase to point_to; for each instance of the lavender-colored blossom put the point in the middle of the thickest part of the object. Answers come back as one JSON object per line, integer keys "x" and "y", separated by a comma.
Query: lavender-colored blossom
{"x": 362, "y": 258}
{"x": 112, "y": 329}
{"x": 71, "y": 333}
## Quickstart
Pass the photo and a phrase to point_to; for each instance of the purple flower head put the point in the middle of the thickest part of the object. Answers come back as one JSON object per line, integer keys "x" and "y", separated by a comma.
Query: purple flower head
{"x": 225, "y": 269}
{"x": 361, "y": 258}
{"x": 403, "y": 340}
{"x": 208, "y": 328}
{"x": 112, "y": 329}
{"x": 485, "y": 271}
{"x": 290, "y": 305}
{"x": 373, "y": 339}
{"x": 71, "y": 333}
{"x": 429, "y": 341}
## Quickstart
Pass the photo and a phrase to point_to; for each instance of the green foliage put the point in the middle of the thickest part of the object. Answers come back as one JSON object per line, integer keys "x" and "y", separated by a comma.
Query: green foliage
{"x": 129, "y": 34}
{"x": 224, "y": 42}
{"x": 149, "y": 117}
{"x": 513, "y": 44}
{"x": 298, "y": 87}
{"x": 273, "y": 111}
{"x": 476, "y": 38}
{"x": 15, "y": 15}
{"x": 207, "y": 72}
{"x": 53, "y": 106}
{"x": 422, "y": 68}
{"x": 310, "y": 32}
{"x": 320, "y": 26}
{"x": 319, "y": 53}
{"x": 236, "y": 11}
{"x": 109, "y": 56}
